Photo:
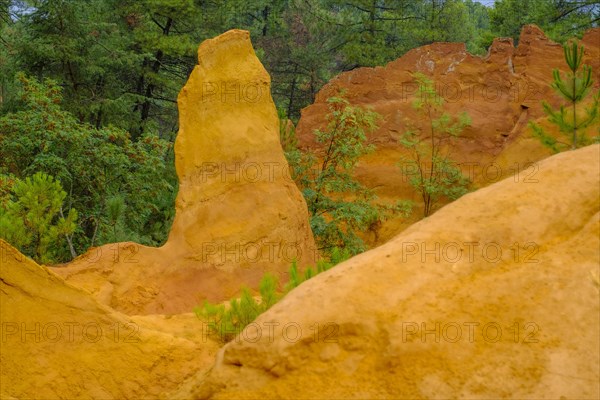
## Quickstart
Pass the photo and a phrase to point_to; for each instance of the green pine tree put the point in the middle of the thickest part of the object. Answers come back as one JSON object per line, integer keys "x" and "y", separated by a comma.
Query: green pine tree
{"x": 34, "y": 220}
{"x": 574, "y": 87}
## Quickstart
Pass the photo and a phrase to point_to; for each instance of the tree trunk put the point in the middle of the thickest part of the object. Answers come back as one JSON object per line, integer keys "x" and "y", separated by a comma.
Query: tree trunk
{"x": 69, "y": 239}
{"x": 145, "y": 106}
{"x": 292, "y": 92}
{"x": 265, "y": 15}
{"x": 574, "y": 144}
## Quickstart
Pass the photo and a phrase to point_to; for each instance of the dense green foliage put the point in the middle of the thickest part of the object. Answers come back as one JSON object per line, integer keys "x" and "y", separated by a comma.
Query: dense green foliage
{"x": 123, "y": 62}
{"x": 430, "y": 169}
{"x": 227, "y": 320}
{"x": 33, "y": 218}
{"x": 560, "y": 19}
{"x": 336, "y": 256}
{"x": 574, "y": 88}
{"x": 93, "y": 166}
{"x": 340, "y": 207}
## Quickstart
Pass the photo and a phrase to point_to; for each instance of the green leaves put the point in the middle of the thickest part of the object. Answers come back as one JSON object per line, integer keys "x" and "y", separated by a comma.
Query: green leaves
{"x": 227, "y": 320}
{"x": 340, "y": 206}
{"x": 547, "y": 140}
{"x": 115, "y": 208}
{"x": 112, "y": 57}
{"x": 96, "y": 166}
{"x": 574, "y": 88}
{"x": 30, "y": 219}
{"x": 433, "y": 174}
{"x": 560, "y": 20}
{"x": 267, "y": 288}
{"x": 573, "y": 55}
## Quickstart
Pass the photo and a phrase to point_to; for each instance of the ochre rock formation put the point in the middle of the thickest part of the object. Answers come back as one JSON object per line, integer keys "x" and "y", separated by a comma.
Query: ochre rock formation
{"x": 501, "y": 92}
{"x": 493, "y": 296}
{"x": 238, "y": 212}
{"x": 57, "y": 342}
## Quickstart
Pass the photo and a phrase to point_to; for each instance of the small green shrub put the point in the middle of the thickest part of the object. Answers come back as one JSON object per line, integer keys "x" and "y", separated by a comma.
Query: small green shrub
{"x": 340, "y": 206}
{"x": 226, "y": 321}
{"x": 433, "y": 174}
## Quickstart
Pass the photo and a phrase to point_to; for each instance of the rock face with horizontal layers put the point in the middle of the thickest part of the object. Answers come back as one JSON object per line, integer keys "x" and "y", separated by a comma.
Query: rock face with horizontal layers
{"x": 238, "y": 212}
{"x": 494, "y": 296}
{"x": 60, "y": 343}
{"x": 501, "y": 92}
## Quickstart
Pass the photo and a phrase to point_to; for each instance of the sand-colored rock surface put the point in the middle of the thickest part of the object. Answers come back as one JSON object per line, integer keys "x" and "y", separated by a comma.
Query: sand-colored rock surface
{"x": 59, "y": 342}
{"x": 238, "y": 213}
{"x": 501, "y": 92}
{"x": 494, "y": 296}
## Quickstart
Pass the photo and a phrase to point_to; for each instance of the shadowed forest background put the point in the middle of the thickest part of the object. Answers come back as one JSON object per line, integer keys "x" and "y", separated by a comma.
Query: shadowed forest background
{"x": 88, "y": 89}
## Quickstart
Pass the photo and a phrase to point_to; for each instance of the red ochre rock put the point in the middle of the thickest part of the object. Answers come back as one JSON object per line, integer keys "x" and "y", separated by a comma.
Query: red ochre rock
{"x": 501, "y": 92}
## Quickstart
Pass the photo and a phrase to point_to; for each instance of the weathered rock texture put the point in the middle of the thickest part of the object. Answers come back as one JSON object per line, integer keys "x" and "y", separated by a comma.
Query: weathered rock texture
{"x": 501, "y": 92}
{"x": 494, "y": 296}
{"x": 57, "y": 342}
{"x": 238, "y": 213}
